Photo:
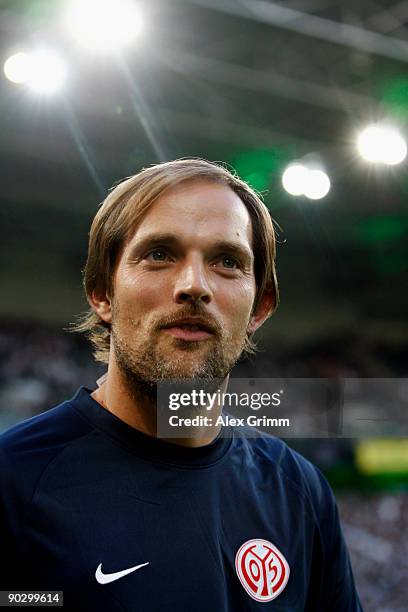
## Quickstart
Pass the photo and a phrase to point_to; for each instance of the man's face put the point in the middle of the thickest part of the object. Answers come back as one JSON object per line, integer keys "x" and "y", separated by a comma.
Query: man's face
{"x": 184, "y": 286}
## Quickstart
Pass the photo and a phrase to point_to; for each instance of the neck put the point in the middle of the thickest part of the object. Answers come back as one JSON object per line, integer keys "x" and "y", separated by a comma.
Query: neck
{"x": 137, "y": 408}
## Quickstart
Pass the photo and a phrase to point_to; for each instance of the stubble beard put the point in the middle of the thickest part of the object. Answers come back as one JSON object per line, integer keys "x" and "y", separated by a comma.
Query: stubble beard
{"x": 143, "y": 365}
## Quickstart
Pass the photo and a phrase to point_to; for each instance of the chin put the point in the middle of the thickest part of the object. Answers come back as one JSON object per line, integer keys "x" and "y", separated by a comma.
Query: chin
{"x": 188, "y": 373}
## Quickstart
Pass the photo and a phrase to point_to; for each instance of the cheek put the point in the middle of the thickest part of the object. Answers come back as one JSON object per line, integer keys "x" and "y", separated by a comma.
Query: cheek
{"x": 237, "y": 303}
{"x": 139, "y": 291}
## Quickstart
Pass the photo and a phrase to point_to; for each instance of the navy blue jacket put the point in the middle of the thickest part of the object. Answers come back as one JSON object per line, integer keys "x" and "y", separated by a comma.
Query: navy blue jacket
{"x": 241, "y": 524}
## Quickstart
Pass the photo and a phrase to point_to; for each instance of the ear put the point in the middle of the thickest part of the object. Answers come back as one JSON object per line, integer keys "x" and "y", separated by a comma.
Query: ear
{"x": 102, "y": 306}
{"x": 263, "y": 310}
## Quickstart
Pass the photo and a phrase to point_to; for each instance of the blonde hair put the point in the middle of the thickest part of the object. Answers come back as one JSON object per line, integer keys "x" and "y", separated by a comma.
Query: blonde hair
{"x": 124, "y": 209}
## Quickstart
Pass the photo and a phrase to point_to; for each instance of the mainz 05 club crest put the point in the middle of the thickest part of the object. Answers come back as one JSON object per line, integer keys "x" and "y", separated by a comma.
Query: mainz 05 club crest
{"x": 262, "y": 569}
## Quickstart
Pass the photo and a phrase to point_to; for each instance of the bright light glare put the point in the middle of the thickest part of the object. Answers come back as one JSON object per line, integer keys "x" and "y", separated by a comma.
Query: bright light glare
{"x": 103, "y": 25}
{"x": 17, "y": 68}
{"x": 294, "y": 179}
{"x": 301, "y": 180}
{"x": 43, "y": 71}
{"x": 317, "y": 185}
{"x": 381, "y": 144}
{"x": 47, "y": 72}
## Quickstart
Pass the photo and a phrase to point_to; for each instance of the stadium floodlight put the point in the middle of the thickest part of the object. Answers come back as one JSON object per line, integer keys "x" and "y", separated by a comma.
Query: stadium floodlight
{"x": 42, "y": 71}
{"x": 299, "y": 179}
{"x": 17, "y": 67}
{"x": 103, "y": 25}
{"x": 382, "y": 144}
{"x": 317, "y": 185}
{"x": 294, "y": 179}
{"x": 47, "y": 72}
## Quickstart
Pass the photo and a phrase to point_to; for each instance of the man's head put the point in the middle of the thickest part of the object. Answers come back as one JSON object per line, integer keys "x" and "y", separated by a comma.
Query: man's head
{"x": 180, "y": 244}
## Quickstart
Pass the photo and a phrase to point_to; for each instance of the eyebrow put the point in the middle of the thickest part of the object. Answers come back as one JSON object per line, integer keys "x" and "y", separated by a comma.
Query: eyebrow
{"x": 165, "y": 239}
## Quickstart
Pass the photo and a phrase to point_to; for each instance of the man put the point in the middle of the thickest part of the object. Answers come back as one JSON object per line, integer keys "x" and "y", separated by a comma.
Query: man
{"x": 180, "y": 274}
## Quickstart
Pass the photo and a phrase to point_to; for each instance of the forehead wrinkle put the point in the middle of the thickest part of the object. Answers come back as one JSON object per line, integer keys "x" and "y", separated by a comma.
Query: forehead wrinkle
{"x": 183, "y": 231}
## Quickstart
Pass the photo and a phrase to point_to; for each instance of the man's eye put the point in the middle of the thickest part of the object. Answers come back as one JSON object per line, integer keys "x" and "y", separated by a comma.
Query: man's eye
{"x": 230, "y": 263}
{"x": 157, "y": 255}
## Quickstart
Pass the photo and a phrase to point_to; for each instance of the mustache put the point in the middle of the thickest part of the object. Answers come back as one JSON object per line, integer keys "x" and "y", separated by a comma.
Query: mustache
{"x": 194, "y": 311}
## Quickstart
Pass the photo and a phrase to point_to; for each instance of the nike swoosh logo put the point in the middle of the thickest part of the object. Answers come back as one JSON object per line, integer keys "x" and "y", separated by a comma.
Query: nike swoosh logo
{"x": 106, "y": 578}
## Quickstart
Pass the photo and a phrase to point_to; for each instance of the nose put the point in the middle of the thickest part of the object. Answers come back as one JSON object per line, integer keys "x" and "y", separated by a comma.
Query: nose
{"x": 192, "y": 283}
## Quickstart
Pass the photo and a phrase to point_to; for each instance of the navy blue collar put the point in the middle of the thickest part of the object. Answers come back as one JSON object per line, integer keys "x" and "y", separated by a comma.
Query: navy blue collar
{"x": 148, "y": 447}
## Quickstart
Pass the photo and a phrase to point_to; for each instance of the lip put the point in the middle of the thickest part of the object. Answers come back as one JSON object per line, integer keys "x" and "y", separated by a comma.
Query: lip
{"x": 176, "y": 330}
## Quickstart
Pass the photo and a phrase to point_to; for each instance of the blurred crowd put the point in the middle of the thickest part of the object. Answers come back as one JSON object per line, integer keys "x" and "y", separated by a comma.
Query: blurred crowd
{"x": 376, "y": 530}
{"x": 39, "y": 367}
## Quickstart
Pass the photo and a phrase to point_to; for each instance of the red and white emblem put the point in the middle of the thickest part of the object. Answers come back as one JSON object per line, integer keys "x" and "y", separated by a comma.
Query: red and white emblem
{"x": 262, "y": 569}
